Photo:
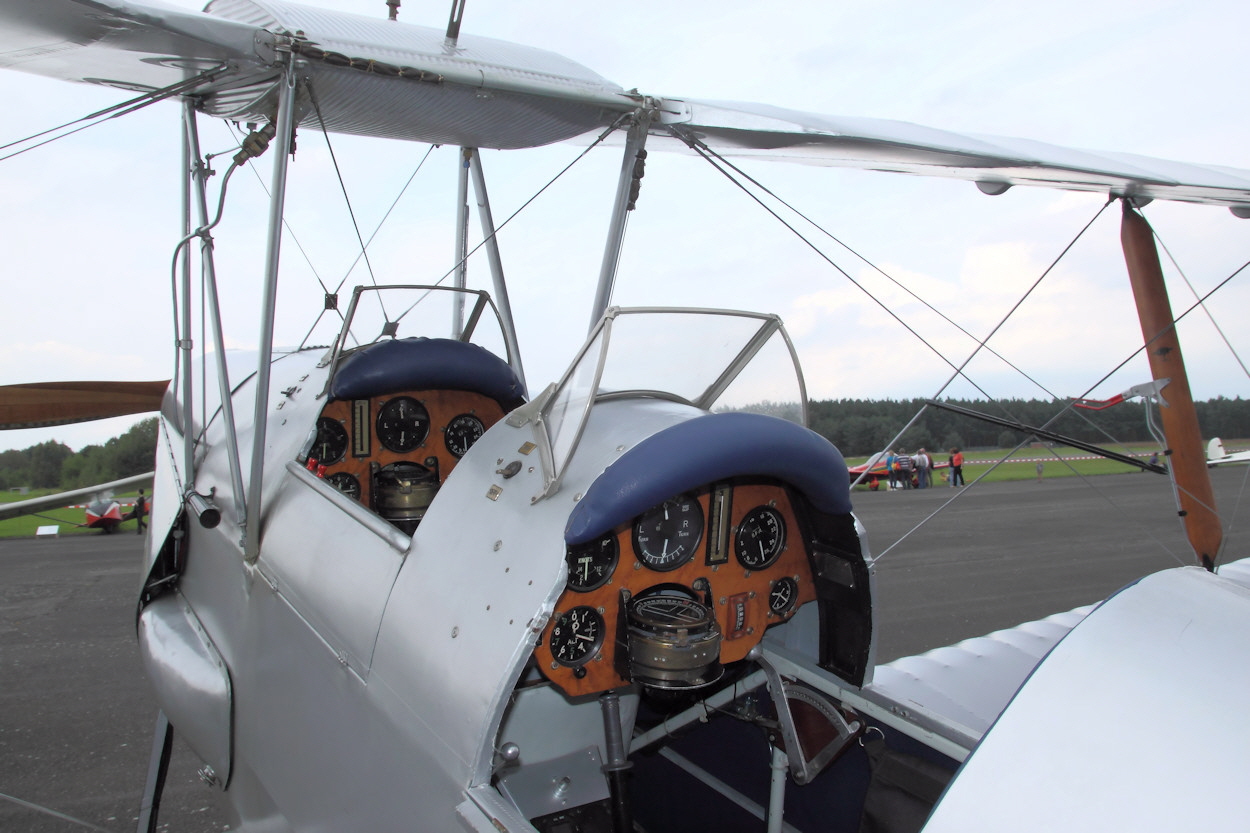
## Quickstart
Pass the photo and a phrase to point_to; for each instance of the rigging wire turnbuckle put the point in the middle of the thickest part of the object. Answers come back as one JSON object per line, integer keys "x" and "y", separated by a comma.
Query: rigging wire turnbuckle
{"x": 256, "y": 143}
{"x": 635, "y": 186}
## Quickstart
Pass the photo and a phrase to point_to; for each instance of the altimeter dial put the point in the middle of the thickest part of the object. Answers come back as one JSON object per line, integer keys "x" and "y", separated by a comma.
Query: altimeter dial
{"x": 345, "y": 483}
{"x": 761, "y": 538}
{"x": 667, "y": 536}
{"x": 576, "y": 636}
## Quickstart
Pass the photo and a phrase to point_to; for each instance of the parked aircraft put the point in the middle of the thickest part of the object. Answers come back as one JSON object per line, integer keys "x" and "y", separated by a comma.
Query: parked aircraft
{"x": 387, "y": 588}
{"x": 1216, "y": 455}
{"x": 102, "y": 510}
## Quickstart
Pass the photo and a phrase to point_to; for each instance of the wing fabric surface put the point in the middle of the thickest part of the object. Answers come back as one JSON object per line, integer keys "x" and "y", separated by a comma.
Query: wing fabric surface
{"x": 762, "y": 131}
{"x": 121, "y": 44}
{"x": 379, "y": 78}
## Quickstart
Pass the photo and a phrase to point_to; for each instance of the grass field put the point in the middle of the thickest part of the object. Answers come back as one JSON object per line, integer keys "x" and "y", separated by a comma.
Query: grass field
{"x": 66, "y": 519}
{"x": 1022, "y": 464}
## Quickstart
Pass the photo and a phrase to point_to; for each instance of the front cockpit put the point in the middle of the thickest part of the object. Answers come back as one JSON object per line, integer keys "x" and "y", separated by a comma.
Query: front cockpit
{"x": 400, "y": 412}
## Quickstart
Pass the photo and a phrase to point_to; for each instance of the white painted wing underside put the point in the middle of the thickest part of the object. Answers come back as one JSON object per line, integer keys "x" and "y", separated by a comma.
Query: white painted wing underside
{"x": 493, "y": 94}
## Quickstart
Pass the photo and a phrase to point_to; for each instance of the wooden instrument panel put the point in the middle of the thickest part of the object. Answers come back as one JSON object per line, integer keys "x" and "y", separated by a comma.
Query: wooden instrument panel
{"x": 740, "y": 595}
{"x": 449, "y": 434}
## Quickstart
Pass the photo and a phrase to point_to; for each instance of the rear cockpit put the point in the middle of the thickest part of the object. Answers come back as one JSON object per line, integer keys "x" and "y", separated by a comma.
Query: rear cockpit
{"x": 695, "y": 520}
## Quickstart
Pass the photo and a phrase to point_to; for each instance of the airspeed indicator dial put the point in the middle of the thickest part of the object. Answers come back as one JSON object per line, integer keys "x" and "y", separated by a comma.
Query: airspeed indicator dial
{"x": 761, "y": 538}
{"x": 461, "y": 433}
{"x": 667, "y": 536}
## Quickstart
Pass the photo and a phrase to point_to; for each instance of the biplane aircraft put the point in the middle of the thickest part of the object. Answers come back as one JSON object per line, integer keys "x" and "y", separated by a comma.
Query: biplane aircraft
{"x": 393, "y": 583}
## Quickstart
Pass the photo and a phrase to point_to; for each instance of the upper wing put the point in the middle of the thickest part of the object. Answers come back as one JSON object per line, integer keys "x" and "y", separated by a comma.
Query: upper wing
{"x": 993, "y": 162}
{"x": 367, "y": 76}
{"x": 381, "y": 78}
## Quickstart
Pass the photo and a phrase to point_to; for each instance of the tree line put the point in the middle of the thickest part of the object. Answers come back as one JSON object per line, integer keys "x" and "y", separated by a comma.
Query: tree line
{"x": 859, "y": 427}
{"x": 54, "y": 465}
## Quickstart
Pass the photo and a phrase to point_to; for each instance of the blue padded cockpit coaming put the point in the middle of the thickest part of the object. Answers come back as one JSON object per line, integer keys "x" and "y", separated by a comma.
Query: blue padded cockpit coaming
{"x": 426, "y": 364}
{"x": 706, "y": 449}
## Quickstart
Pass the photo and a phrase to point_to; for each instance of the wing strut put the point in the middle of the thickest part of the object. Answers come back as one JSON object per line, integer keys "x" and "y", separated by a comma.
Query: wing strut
{"x": 487, "y": 222}
{"x": 1180, "y": 419}
{"x": 199, "y": 175}
{"x": 277, "y": 202}
{"x": 632, "y": 164}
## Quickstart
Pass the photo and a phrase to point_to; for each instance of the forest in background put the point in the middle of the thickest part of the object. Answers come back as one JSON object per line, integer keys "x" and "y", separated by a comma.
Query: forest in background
{"x": 858, "y": 427}
{"x": 54, "y": 465}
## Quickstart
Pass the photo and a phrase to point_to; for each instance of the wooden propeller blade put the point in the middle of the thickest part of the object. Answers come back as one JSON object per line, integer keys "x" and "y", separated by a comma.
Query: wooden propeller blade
{"x": 42, "y": 404}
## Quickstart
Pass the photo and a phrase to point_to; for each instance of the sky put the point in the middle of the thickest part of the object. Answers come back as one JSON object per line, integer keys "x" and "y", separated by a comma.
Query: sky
{"x": 88, "y": 224}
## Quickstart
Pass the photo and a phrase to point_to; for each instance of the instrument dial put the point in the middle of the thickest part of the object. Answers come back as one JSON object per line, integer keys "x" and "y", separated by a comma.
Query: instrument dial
{"x": 345, "y": 483}
{"x": 461, "y": 433}
{"x": 667, "y": 536}
{"x": 403, "y": 424}
{"x": 577, "y": 636}
{"x": 782, "y": 595}
{"x": 761, "y": 538}
{"x": 331, "y": 443}
{"x": 591, "y": 565}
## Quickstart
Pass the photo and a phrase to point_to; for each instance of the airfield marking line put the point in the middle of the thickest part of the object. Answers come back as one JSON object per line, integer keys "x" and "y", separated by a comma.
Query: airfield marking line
{"x": 31, "y": 806}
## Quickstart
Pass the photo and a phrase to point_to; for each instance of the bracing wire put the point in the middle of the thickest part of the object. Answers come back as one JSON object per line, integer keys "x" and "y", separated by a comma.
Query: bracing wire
{"x": 699, "y": 148}
{"x": 1194, "y": 292}
{"x": 958, "y": 371}
{"x": 312, "y": 95}
{"x": 499, "y": 227}
{"x": 116, "y": 111}
{"x": 1200, "y": 302}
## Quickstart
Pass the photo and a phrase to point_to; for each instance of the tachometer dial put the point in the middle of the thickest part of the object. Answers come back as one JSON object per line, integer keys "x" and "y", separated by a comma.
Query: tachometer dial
{"x": 403, "y": 424}
{"x": 667, "y": 536}
{"x": 461, "y": 433}
{"x": 576, "y": 636}
{"x": 782, "y": 595}
{"x": 345, "y": 483}
{"x": 761, "y": 538}
{"x": 331, "y": 443}
{"x": 591, "y": 565}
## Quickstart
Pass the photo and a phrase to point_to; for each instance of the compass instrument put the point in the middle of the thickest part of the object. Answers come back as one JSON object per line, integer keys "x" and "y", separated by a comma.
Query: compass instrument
{"x": 674, "y": 642}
